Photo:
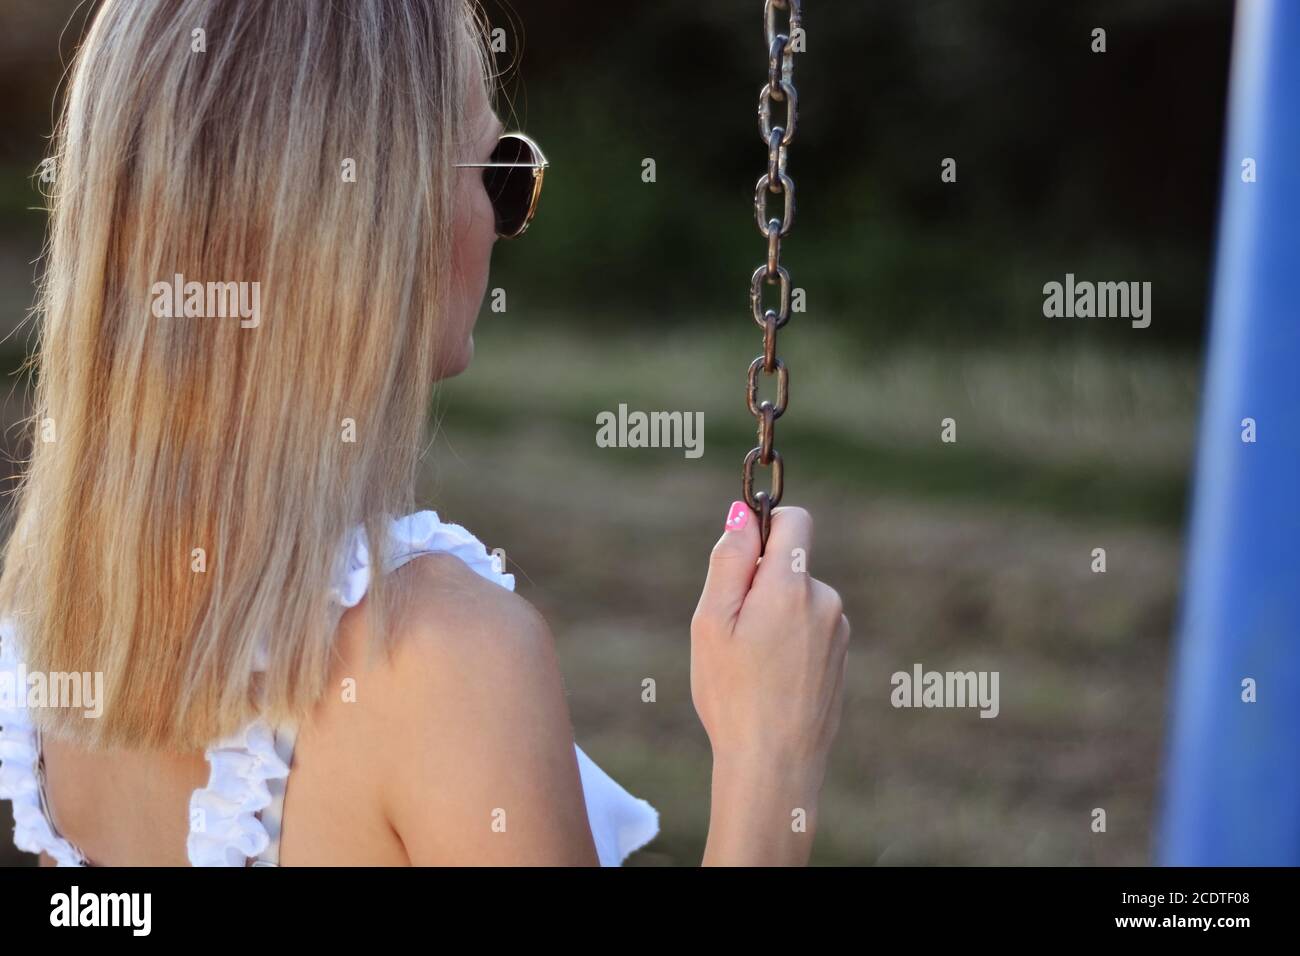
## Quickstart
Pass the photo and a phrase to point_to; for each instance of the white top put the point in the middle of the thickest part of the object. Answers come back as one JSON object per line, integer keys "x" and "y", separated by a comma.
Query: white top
{"x": 235, "y": 819}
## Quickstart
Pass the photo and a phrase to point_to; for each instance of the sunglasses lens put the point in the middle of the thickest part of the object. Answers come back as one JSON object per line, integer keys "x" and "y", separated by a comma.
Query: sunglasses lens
{"x": 511, "y": 189}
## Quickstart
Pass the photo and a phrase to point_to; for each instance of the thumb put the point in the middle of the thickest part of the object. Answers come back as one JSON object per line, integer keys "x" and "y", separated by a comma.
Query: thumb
{"x": 731, "y": 566}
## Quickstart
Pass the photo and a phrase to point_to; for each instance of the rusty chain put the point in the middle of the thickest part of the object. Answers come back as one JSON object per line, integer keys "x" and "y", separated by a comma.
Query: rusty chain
{"x": 776, "y": 182}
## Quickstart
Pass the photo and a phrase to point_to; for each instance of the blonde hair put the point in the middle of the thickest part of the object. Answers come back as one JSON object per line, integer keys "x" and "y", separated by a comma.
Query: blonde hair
{"x": 177, "y": 434}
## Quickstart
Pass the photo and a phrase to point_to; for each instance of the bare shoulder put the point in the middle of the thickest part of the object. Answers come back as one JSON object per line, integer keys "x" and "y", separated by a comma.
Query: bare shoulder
{"x": 455, "y": 635}
{"x": 455, "y": 616}
{"x": 469, "y": 729}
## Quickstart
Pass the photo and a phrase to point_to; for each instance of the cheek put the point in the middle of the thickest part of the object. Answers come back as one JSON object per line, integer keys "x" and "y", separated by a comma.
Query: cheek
{"x": 473, "y": 234}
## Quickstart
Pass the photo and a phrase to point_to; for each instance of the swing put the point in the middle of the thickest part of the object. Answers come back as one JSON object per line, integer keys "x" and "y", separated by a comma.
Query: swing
{"x": 773, "y": 184}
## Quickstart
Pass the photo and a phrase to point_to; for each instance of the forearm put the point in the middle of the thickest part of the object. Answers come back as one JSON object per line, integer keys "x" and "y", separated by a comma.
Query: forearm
{"x": 762, "y": 814}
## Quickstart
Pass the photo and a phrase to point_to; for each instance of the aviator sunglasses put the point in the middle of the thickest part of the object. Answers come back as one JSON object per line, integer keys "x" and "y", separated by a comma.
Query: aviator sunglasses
{"x": 514, "y": 182}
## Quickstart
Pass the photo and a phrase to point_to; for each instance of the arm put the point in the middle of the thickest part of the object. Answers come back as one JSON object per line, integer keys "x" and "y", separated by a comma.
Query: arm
{"x": 760, "y": 816}
{"x": 483, "y": 767}
{"x": 768, "y": 650}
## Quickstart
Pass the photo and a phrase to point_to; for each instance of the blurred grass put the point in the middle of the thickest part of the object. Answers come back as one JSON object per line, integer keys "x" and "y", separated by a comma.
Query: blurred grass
{"x": 1073, "y": 431}
{"x": 967, "y": 556}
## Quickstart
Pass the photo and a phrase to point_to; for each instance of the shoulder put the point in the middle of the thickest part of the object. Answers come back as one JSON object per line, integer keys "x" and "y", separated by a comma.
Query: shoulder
{"x": 468, "y": 721}
{"x": 463, "y": 646}
{"x": 451, "y": 628}
{"x": 451, "y": 615}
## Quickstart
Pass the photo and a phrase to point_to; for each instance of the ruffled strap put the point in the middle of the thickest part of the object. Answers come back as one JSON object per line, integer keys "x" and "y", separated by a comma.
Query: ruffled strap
{"x": 248, "y": 773}
{"x": 229, "y": 817}
{"x": 20, "y": 760}
{"x": 620, "y": 823}
{"x": 408, "y": 538}
{"x": 225, "y": 824}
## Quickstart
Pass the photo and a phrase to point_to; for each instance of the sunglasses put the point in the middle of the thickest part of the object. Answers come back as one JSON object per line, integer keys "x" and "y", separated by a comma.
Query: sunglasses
{"x": 514, "y": 182}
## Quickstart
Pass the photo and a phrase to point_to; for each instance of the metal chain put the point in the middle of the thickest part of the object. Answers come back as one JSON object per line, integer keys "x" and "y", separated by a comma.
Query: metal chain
{"x": 776, "y": 182}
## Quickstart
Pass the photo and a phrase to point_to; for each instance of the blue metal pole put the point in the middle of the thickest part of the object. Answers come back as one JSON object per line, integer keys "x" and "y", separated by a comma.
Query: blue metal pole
{"x": 1233, "y": 775}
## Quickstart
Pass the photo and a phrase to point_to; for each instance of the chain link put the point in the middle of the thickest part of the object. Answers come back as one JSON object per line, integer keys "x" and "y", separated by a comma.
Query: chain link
{"x": 779, "y": 91}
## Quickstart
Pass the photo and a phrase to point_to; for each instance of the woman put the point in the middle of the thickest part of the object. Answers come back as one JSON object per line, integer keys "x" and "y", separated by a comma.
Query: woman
{"x": 270, "y": 234}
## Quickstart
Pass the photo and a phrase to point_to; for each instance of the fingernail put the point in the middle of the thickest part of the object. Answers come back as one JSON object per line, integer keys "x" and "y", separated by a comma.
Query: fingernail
{"x": 738, "y": 516}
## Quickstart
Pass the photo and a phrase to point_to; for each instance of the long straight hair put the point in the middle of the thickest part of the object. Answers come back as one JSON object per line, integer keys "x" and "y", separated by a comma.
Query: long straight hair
{"x": 193, "y": 479}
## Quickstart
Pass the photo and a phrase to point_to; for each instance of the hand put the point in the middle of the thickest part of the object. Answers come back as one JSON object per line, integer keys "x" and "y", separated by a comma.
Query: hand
{"x": 768, "y": 647}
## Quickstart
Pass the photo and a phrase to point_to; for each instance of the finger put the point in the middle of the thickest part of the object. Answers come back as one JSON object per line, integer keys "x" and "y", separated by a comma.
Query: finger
{"x": 731, "y": 565}
{"x": 789, "y": 544}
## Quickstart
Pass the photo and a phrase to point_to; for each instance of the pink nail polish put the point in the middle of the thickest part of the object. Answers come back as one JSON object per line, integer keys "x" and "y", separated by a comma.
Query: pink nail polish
{"x": 738, "y": 516}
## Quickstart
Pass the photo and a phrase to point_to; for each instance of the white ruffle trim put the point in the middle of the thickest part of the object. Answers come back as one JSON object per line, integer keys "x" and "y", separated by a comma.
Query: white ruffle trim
{"x": 18, "y": 761}
{"x": 224, "y": 826}
{"x": 620, "y": 823}
{"x": 408, "y": 538}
